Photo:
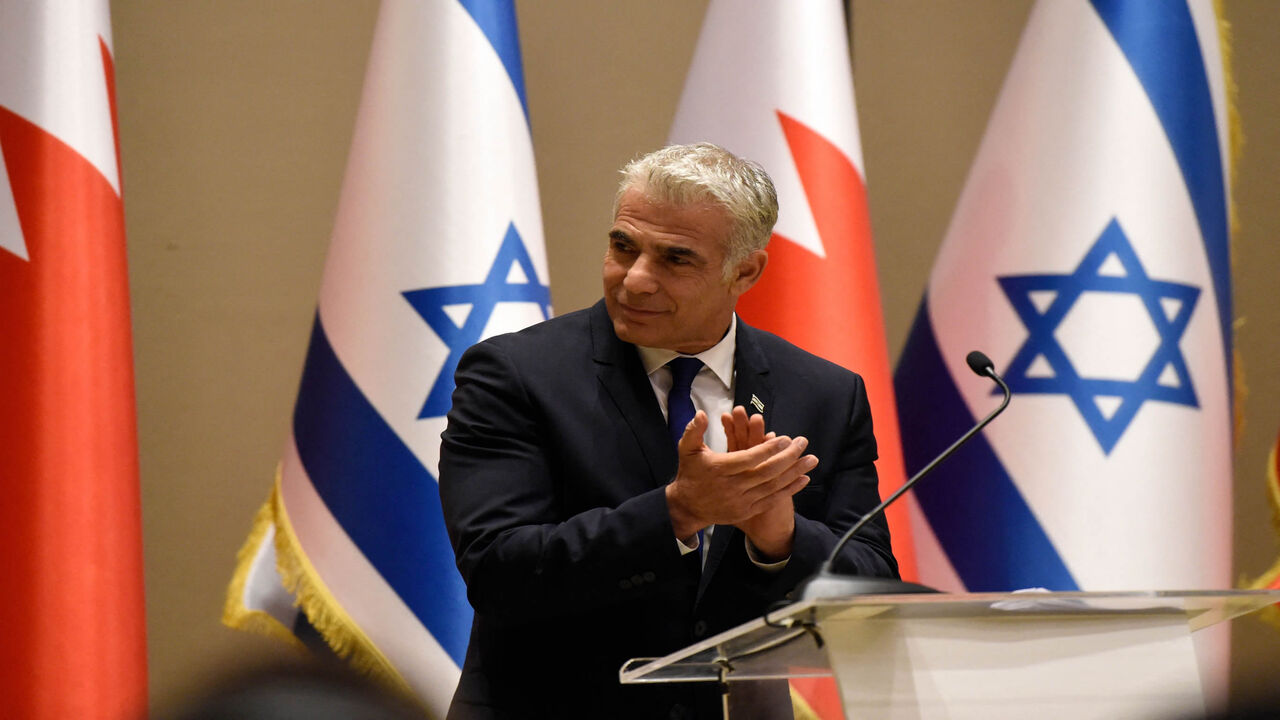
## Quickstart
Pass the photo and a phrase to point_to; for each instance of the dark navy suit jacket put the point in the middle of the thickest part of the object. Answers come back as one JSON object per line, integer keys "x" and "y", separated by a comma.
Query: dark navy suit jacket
{"x": 552, "y": 476}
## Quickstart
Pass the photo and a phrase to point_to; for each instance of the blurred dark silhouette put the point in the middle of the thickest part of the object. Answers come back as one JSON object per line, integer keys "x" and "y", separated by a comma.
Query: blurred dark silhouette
{"x": 1250, "y": 705}
{"x": 314, "y": 691}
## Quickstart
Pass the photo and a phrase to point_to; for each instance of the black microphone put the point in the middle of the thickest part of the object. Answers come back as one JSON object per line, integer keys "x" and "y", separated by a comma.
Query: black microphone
{"x": 826, "y": 583}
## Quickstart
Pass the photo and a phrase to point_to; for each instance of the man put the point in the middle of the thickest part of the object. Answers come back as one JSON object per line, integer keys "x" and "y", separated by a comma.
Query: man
{"x": 590, "y": 532}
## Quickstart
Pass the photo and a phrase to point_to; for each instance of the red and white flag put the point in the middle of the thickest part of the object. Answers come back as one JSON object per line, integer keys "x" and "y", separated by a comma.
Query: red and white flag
{"x": 770, "y": 81}
{"x": 70, "y": 522}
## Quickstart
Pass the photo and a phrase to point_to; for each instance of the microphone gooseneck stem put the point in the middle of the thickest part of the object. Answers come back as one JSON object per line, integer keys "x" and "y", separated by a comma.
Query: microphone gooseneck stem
{"x": 989, "y": 371}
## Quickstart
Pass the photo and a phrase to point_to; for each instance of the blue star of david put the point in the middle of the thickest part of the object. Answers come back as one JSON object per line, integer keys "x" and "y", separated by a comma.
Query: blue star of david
{"x": 1085, "y": 392}
{"x": 483, "y": 298}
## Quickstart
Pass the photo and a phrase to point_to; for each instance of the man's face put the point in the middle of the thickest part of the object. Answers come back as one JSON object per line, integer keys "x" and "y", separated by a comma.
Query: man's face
{"x": 664, "y": 283}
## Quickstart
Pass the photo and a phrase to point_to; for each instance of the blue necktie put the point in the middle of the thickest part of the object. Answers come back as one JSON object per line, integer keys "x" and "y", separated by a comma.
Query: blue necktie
{"x": 679, "y": 405}
{"x": 680, "y": 410}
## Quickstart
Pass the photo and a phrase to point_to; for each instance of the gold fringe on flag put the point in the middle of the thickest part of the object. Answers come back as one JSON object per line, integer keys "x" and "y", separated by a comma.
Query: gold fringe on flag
{"x": 1271, "y": 578}
{"x": 235, "y": 614}
{"x": 800, "y": 708}
{"x": 1235, "y": 144}
{"x": 310, "y": 593}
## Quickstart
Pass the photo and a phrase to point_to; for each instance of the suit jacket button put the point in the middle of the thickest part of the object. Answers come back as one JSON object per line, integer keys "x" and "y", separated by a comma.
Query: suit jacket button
{"x": 700, "y": 628}
{"x": 636, "y": 580}
{"x": 624, "y": 584}
{"x": 649, "y": 576}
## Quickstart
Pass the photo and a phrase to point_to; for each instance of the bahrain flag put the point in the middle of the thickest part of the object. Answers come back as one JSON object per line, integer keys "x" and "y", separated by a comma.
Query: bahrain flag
{"x": 70, "y": 521}
{"x": 770, "y": 81}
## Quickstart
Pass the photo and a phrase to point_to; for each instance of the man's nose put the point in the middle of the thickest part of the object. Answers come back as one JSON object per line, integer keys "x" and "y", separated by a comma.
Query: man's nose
{"x": 640, "y": 278}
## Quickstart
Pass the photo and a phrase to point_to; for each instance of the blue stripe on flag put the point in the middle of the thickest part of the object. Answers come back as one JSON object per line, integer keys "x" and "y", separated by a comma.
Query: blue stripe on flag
{"x": 1159, "y": 40}
{"x": 381, "y": 495}
{"x": 991, "y": 536}
{"x": 497, "y": 20}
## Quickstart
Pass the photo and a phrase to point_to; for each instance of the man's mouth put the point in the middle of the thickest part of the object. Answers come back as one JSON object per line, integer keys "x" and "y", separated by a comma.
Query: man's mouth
{"x": 638, "y": 311}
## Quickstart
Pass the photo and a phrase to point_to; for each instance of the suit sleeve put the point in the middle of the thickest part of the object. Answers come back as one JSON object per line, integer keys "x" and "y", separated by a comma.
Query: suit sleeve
{"x": 854, "y": 491}
{"x": 522, "y": 556}
{"x": 849, "y": 489}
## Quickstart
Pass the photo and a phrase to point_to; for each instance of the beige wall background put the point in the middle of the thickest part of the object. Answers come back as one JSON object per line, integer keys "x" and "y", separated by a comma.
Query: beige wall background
{"x": 235, "y": 120}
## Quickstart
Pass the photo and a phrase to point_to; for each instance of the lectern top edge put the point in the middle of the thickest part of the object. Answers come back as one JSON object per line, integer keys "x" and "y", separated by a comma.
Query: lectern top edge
{"x": 803, "y": 656}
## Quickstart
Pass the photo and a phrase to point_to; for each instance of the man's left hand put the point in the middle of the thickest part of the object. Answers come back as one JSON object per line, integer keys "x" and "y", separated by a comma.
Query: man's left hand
{"x": 771, "y": 531}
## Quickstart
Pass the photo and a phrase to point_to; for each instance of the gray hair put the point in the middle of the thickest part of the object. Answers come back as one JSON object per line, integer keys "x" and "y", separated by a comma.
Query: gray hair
{"x": 687, "y": 174}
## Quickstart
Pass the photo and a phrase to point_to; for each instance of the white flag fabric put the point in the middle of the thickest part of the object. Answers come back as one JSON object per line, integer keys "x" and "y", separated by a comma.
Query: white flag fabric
{"x": 1088, "y": 257}
{"x": 437, "y": 244}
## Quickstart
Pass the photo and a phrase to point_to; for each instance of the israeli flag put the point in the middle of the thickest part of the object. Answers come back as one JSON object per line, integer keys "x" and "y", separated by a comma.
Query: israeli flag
{"x": 1088, "y": 257}
{"x": 437, "y": 244}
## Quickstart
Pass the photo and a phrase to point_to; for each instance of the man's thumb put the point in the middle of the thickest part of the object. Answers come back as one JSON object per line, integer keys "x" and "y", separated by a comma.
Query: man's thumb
{"x": 691, "y": 441}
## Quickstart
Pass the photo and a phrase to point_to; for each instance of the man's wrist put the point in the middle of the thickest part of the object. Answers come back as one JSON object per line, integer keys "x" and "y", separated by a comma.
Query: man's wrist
{"x": 685, "y": 524}
{"x": 771, "y": 542}
{"x": 759, "y": 559}
{"x": 771, "y": 551}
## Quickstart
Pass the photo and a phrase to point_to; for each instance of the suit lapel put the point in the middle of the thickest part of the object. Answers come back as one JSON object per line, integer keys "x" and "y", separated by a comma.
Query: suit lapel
{"x": 752, "y": 391}
{"x": 620, "y": 372}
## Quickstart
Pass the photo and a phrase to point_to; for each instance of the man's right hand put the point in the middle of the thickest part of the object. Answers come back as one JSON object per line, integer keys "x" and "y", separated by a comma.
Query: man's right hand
{"x": 728, "y": 488}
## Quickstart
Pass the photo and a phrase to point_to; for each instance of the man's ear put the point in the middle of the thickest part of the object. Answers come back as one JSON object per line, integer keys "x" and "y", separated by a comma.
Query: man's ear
{"x": 749, "y": 271}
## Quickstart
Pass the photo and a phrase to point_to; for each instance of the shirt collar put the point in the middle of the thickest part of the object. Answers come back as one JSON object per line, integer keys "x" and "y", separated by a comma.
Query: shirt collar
{"x": 718, "y": 357}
